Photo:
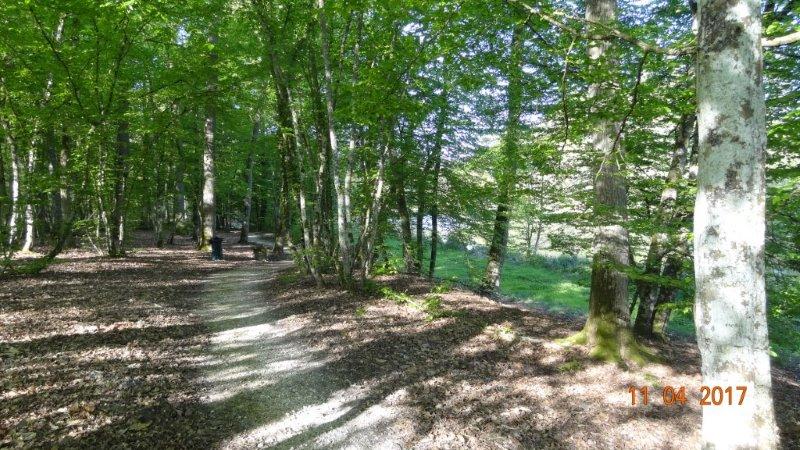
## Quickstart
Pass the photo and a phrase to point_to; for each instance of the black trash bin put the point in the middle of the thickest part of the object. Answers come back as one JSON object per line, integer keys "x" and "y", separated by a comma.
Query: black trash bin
{"x": 216, "y": 248}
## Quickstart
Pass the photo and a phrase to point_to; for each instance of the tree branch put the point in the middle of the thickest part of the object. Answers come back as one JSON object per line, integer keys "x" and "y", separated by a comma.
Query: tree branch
{"x": 610, "y": 32}
{"x": 781, "y": 40}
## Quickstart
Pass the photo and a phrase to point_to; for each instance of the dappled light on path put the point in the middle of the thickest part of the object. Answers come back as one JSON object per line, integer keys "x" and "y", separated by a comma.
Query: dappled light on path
{"x": 259, "y": 374}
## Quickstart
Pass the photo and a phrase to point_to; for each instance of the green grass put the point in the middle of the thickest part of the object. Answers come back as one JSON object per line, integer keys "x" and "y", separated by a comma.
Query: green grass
{"x": 532, "y": 282}
{"x": 561, "y": 284}
{"x": 558, "y": 283}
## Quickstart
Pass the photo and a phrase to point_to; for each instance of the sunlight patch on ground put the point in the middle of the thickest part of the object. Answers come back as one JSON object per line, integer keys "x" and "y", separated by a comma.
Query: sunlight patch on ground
{"x": 294, "y": 423}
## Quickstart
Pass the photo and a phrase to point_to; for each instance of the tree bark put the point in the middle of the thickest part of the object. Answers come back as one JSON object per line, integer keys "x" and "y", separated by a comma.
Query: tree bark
{"x": 436, "y": 154}
{"x": 399, "y": 190}
{"x": 312, "y": 263}
{"x": 345, "y": 257}
{"x": 116, "y": 238}
{"x": 29, "y": 228}
{"x": 369, "y": 233}
{"x": 729, "y": 224}
{"x": 649, "y": 292}
{"x": 508, "y": 171}
{"x": 208, "y": 208}
{"x": 248, "y": 196}
{"x": 14, "y": 215}
{"x": 607, "y": 330}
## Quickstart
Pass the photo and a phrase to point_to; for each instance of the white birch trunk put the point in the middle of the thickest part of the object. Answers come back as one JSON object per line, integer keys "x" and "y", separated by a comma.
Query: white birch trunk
{"x": 13, "y": 217}
{"x": 729, "y": 225}
{"x": 208, "y": 208}
{"x": 29, "y": 229}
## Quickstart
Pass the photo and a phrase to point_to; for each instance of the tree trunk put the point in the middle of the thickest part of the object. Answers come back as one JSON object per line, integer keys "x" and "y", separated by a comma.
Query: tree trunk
{"x": 648, "y": 292}
{"x": 399, "y": 190}
{"x": 607, "y": 330}
{"x": 14, "y": 215}
{"x": 116, "y": 230}
{"x": 436, "y": 154}
{"x": 312, "y": 262}
{"x": 208, "y": 208}
{"x": 729, "y": 224}
{"x": 248, "y": 197}
{"x": 179, "y": 212}
{"x": 54, "y": 170}
{"x": 323, "y": 205}
{"x": 508, "y": 167}
{"x": 4, "y": 197}
{"x": 29, "y": 228}
{"x": 369, "y": 233}
{"x": 345, "y": 257}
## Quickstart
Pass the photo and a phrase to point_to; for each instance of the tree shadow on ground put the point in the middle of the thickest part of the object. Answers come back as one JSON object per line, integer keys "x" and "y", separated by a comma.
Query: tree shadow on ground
{"x": 320, "y": 368}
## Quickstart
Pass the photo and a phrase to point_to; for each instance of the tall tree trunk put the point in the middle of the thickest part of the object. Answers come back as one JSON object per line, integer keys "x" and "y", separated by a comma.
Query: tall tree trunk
{"x": 4, "y": 198}
{"x": 399, "y": 191}
{"x": 29, "y": 228}
{"x": 179, "y": 210}
{"x": 54, "y": 170}
{"x": 323, "y": 205}
{"x": 729, "y": 224}
{"x": 116, "y": 230}
{"x": 248, "y": 196}
{"x": 310, "y": 257}
{"x": 420, "y": 214}
{"x": 436, "y": 154}
{"x": 50, "y": 144}
{"x": 208, "y": 208}
{"x": 647, "y": 291}
{"x": 65, "y": 192}
{"x": 369, "y": 233}
{"x": 508, "y": 171}
{"x": 345, "y": 256}
{"x": 607, "y": 330}
{"x": 14, "y": 216}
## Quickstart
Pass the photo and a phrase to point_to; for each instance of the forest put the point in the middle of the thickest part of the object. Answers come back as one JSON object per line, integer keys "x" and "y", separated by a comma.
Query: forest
{"x": 400, "y": 224}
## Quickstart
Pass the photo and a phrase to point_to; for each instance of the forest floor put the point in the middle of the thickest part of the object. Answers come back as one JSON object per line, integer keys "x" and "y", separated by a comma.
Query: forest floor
{"x": 168, "y": 349}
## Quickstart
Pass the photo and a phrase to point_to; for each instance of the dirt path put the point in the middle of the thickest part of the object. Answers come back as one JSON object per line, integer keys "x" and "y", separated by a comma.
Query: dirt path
{"x": 263, "y": 382}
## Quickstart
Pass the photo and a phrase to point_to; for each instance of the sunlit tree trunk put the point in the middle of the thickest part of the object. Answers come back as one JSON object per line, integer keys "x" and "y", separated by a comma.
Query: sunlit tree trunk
{"x": 729, "y": 224}
{"x": 3, "y": 196}
{"x": 508, "y": 170}
{"x": 248, "y": 196}
{"x": 208, "y": 208}
{"x": 345, "y": 256}
{"x": 14, "y": 190}
{"x": 29, "y": 228}
{"x": 607, "y": 330}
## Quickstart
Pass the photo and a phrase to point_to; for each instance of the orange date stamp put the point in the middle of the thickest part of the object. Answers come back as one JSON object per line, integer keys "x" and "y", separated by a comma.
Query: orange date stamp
{"x": 709, "y": 395}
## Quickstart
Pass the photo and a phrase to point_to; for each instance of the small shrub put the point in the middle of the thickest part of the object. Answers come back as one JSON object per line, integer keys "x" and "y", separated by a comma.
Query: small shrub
{"x": 432, "y": 305}
{"x": 360, "y": 312}
{"x": 570, "y": 366}
{"x": 443, "y": 287}
{"x": 397, "y": 297}
{"x": 388, "y": 266}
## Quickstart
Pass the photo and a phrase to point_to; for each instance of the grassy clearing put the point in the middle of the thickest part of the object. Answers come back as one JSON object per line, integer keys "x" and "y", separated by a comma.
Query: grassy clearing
{"x": 556, "y": 282}
{"x": 560, "y": 283}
